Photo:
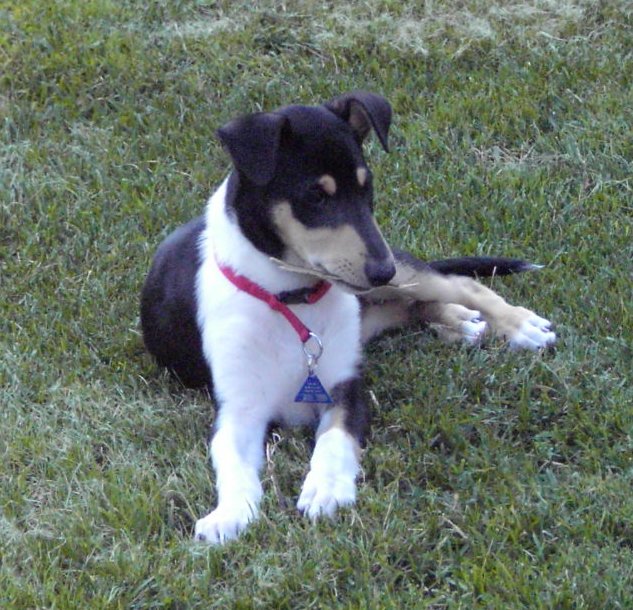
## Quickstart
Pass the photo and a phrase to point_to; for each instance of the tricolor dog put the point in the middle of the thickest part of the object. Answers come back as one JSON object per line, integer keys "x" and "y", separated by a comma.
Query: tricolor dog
{"x": 268, "y": 298}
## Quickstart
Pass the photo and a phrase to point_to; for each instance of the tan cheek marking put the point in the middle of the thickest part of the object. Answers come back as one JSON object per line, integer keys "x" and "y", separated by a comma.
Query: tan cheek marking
{"x": 361, "y": 175}
{"x": 328, "y": 184}
{"x": 327, "y": 244}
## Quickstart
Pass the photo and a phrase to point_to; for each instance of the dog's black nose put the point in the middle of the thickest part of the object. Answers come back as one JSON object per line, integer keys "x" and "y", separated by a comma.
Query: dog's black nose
{"x": 379, "y": 272}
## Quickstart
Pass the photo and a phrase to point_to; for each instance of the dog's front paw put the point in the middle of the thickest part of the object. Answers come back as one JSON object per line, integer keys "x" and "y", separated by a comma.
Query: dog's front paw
{"x": 526, "y": 330}
{"x": 224, "y": 523}
{"x": 323, "y": 493}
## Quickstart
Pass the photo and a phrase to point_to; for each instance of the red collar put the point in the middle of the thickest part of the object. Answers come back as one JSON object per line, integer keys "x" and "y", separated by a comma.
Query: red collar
{"x": 275, "y": 303}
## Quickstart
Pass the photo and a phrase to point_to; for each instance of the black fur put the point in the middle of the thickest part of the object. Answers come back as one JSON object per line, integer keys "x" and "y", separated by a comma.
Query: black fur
{"x": 168, "y": 307}
{"x": 363, "y": 111}
{"x": 482, "y": 266}
{"x": 254, "y": 156}
{"x": 471, "y": 266}
{"x": 357, "y": 412}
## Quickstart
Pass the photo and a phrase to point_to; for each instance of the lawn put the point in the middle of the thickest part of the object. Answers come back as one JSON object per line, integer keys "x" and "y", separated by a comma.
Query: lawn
{"x": 492, "y": 479}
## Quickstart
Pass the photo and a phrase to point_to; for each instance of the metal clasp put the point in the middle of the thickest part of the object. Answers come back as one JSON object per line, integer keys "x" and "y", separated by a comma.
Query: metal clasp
{"x": 313, "y": 348}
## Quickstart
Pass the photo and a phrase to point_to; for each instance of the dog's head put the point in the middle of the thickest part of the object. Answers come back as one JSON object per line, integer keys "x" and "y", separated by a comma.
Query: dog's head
{"x": 302, "y": 191}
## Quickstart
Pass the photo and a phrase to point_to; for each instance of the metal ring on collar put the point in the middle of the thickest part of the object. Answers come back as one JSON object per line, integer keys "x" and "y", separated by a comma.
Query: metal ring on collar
{"x": 313, "y": 341}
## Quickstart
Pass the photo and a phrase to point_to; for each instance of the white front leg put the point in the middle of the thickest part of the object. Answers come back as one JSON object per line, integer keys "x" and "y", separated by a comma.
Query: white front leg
{"x": 334, "y": 466}
{"x": 237, "y": 456}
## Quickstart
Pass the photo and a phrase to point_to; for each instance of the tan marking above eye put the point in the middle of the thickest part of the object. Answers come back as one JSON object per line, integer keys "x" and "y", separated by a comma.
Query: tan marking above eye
{"x": 328, "y": 184}
{"x": 361, "y": 175}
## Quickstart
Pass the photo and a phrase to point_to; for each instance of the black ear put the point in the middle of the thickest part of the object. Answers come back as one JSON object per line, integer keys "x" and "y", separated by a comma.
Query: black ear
{"x": 364, "y": 110}
{"x": 253, "y": 143}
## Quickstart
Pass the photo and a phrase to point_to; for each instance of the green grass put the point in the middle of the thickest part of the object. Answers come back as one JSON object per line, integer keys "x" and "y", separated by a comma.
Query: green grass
{"x": 492, "y": 479}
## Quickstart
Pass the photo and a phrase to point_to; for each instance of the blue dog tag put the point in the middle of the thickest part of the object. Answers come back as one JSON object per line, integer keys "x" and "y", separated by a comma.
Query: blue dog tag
{"x": 313, "y": 391}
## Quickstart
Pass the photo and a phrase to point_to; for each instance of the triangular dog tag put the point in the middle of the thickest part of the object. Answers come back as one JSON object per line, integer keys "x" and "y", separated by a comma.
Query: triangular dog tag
{"x": 313, "y": 391}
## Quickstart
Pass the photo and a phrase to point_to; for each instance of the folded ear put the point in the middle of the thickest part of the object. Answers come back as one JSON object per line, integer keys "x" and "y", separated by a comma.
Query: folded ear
{"x": 253, "y": 143}
{"x": 363, "y": 111}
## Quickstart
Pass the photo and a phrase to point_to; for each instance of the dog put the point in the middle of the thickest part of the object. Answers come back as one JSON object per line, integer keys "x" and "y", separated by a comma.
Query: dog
{"x": 268, "y": 297}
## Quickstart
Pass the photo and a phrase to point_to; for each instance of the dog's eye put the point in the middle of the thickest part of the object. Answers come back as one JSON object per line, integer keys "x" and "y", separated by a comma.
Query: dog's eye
{"x": 315, "y": 194}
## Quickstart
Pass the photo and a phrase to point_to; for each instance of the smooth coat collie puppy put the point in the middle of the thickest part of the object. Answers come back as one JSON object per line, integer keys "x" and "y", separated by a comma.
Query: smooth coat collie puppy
{"x": 268, "y": 297}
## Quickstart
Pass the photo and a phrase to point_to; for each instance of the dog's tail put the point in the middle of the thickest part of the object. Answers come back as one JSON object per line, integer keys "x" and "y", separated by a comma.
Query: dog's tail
{"x": 482, "y": 266}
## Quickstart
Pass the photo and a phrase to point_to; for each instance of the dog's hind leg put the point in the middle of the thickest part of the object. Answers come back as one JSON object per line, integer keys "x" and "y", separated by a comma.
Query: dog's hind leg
{"x": 438, "y": 294}
{"x": 379, "y": 317}
{"x": 452, "y": 322}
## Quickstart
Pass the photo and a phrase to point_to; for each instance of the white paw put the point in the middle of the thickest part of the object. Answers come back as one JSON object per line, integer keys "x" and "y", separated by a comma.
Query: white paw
{"x": 473, "y": 328}
{"x": 534, "y": 333}
{"x": 458, "y": 323}
{"x": 323, "y": 493}
{"x": 224, "y": 523}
